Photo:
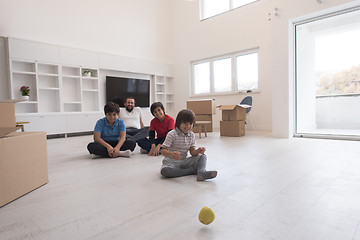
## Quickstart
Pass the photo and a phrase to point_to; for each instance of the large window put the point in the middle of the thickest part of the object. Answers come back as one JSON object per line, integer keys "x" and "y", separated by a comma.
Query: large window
{"x": 211, "y": 8}
{"x": 228, "y": 74}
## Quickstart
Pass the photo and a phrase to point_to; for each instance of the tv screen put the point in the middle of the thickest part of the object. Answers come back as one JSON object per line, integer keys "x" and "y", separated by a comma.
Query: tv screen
{"x": 120, "y": 88}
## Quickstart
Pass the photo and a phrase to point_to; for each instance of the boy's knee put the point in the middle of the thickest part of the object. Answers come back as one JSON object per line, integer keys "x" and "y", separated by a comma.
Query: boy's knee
{"x": 202, "y": 157}
{"x": 90, "y": 147}
{"x": 132, "y": 145}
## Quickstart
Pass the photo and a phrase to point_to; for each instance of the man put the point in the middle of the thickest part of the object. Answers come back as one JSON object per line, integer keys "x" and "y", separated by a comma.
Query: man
{"x": 132, "y": 118}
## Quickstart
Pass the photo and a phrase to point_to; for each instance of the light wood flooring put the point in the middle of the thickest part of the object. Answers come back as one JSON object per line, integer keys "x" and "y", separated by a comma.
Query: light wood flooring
{"x": 267, "y": 188}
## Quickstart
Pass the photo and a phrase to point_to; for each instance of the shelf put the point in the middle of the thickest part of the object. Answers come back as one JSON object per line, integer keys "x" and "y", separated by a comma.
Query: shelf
{"x": 70, "y": 76}
{"x": 51, "y": 89}
{"x": 89, "y": 73}
{"x": 72, "y": 102}
{"x": 25, "y": 73}
{"x": 26, "y": 107}
{"x": 47, "y": 69}
{"x": 23, "y": 66}
{"x": 70, "y": 71}
{"x": 90, "y": 101}
{"x": 90, "y": 90}
{"x": 72, "y": 107}
{"x": 90, "y": 84}
{"x": 89, "y": 78}
{"x": 27, "y": 102}
{"x": 49, "y": 100}
{"x": 164, "y": 91}
{"x": 48, "y": 74}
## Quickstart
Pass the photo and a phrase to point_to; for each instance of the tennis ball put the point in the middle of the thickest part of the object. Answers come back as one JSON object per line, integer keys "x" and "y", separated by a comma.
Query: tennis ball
{"x": 206, "y": 215}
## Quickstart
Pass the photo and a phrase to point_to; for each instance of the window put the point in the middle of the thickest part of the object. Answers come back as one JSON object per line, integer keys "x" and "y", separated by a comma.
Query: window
{"x": 214, "y": 7}
{"x": 202, "y": 75}
{"x": 222, "y": 75}
{"x": 228, "y": 74}
{"x": 247, "y": 71}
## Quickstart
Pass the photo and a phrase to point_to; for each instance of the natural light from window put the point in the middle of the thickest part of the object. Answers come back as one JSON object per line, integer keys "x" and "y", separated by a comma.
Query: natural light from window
{"x": 226, "y": 74}
{"x": 222, "y": 75}
{"x": 202, "y": 76}
{"x": 338, "y": 70}
{"x": 247, "y": 71}
{"x": 214, "y": 7}
{"x": 210, "y": 8}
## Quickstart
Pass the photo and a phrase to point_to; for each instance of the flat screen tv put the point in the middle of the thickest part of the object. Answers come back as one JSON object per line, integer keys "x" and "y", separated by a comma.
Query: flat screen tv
{"x": 119, "y": 88}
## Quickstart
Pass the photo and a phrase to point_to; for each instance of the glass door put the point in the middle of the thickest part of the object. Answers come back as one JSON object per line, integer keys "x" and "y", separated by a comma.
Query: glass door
{"x": 328, "y": 75}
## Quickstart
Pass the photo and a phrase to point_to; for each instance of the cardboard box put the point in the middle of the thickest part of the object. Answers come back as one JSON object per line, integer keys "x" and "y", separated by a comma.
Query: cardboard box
{"x": 23, "y": 164}
{"x": 201, "y": 106}
{"x": 233, "y": 112}
{"x": 232, "y": 128}
{"x": 201, "y": 118}
{"x": 7, "y": 110}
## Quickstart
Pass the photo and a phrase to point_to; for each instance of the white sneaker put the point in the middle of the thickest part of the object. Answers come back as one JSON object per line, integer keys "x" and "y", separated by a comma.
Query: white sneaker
{"x": 93, "y": 156}
{"x": 126, "y": 153}
{"x": 143, "y": 151}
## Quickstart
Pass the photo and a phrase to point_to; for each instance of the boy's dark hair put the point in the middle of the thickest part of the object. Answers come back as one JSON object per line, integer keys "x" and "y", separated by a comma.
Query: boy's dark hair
{"x": 155, "y": 105}
{"x": 111, "y": 107}
{"x": 184, "y": 116}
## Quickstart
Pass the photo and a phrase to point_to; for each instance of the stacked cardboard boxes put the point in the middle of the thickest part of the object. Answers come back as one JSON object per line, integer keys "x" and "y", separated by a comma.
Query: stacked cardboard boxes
{"x": 23, "y": 157}
{"x": 203, "y": 109}
{"x": 233, "y": 120}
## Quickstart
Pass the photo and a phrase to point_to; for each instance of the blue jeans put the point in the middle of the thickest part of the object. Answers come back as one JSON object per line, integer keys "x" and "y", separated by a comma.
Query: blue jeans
{"x": 145, "y": 143}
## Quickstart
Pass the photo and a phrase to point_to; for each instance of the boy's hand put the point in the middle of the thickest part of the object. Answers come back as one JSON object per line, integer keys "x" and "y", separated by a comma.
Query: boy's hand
{"x": 154, "y": 150}
{"x": 175, "y": 155}
{"x": 201, "y": 150}
{"x": 111, "y": 152}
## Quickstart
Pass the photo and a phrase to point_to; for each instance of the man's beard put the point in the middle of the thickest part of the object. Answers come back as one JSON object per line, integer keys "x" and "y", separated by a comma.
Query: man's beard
{"x": 129, "y": 108}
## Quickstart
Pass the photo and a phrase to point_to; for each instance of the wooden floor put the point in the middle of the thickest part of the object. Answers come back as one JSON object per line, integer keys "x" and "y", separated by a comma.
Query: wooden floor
{"x": 267, "y": 188}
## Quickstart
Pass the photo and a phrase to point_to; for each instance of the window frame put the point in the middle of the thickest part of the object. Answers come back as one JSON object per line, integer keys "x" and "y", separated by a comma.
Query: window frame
{"x": 234, "y": 80}
{"x": 231, "y": 7}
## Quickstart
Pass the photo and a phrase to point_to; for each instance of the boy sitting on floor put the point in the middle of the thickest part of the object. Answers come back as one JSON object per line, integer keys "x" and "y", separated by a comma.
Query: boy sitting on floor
{"x": 110, "y": 134}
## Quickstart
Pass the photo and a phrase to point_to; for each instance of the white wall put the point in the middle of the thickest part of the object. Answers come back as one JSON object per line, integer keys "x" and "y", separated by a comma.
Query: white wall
{"x": 240, "y": 29}
{"x": 234, "y": 31}
{"x": 133, "y": 28}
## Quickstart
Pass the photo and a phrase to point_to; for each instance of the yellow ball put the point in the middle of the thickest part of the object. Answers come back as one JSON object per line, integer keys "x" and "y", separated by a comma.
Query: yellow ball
{"x": 206, "y": 215}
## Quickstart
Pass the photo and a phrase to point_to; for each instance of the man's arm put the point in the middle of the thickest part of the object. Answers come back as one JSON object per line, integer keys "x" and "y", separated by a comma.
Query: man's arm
{"x": 141, "y": 122}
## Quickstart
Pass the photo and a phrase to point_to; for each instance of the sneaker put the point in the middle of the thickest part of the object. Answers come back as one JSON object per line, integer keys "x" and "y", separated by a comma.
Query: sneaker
{"x": 125, "y": 153}
{"x": 143, "y": 151}
{"x": 93, "y": 156}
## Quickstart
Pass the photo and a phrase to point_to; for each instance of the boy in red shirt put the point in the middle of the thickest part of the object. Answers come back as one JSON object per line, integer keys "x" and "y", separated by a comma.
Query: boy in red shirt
{"x": 161, "y": 124}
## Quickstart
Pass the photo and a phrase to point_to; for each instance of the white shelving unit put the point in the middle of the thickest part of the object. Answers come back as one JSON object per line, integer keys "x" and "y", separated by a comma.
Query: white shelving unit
{"x": 54, "y": 88}
{"x": 63, "y": 99}
{"x": 23, "y": 73}
{"x": 90, "y": 89}
{"x": 164, "y": 92}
